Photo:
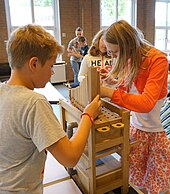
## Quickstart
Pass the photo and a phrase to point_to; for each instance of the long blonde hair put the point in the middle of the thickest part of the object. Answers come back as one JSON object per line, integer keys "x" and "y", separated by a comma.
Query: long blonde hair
{"x": 132, "y": 48}
{"x": 31, "y": 41}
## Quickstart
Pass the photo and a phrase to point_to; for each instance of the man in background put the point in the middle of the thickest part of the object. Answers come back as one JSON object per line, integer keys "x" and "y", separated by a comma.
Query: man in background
{"x": 74, "y": 50}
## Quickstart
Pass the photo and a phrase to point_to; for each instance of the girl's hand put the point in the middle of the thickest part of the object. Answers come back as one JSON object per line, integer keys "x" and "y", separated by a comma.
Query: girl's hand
{"x": 94, "y": 108}
{"x": 107, "y": 78}
{"x": 103, "y": 73}
{"x": 110, "y": 80}
{"x": 106, "y": 92}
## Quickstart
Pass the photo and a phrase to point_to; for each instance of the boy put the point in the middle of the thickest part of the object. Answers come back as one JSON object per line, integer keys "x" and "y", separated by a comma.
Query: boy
{"x": 32, "y": 127}
{"x": 83, "y": 45}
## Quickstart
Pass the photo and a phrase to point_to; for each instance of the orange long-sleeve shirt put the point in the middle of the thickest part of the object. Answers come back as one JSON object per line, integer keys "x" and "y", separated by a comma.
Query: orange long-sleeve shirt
{"x": 151, "y": 83}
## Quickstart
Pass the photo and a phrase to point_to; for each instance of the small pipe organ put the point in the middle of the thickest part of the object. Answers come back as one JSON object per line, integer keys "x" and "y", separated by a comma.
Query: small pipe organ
{"x": 104, "y": 165}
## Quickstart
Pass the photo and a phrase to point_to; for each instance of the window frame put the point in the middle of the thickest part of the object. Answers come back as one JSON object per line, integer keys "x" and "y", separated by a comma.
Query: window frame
{"x": 165, "y": 27}
{"x": 133, "y": 12}
{"x": 55, "y": 28}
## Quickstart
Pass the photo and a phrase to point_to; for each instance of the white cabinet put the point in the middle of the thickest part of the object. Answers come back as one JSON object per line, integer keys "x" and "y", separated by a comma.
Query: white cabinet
{"x": 59, "y": 75}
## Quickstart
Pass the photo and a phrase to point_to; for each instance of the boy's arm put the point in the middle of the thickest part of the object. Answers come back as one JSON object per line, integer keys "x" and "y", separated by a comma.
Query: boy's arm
{"x": 68, "y": 151}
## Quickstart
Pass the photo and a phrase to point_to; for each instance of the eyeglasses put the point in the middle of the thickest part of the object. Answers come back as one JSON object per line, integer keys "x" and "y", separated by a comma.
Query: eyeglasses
{"x": 109, "y": 53}
{"x": 112, "y": 54}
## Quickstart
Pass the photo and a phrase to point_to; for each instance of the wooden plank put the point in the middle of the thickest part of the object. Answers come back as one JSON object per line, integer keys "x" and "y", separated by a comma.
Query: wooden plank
{"x": 109, "y": 186}
{"x": 111, "y": 176}
{"x": 125, "y": 150}
{"x": 93, "y": 85}
{"x": 108, "y": 151}
{"x": 92, "y": 161}
{"x": 109, "y": 143}
{"x": 71, "y": 113}
{"x": 63, "y": 118}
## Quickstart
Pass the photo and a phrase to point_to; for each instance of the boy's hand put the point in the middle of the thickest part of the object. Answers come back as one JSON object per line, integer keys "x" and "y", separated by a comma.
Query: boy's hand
{"x": 94, "y": 108}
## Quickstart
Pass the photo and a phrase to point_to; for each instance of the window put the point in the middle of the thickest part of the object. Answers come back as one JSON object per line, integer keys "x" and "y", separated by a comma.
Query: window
{"x": 44, "y": 12}
{"x": 162, "y": 25}
{"x": 112, "y": 10}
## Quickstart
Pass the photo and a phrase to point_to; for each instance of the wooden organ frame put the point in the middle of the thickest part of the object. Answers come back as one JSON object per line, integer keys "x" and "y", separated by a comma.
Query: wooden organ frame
{"x": 108, "y": 142}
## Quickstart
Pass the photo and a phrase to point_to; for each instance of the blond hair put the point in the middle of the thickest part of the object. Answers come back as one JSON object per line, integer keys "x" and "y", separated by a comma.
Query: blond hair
{"x": 132, "y": 48}
{"x": 94, "y": 48}
{"x": 31, "y": 41}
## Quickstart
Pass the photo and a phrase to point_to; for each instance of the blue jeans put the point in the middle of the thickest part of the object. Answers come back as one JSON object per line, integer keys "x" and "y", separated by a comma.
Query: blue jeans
{"x": 75, "y": 67}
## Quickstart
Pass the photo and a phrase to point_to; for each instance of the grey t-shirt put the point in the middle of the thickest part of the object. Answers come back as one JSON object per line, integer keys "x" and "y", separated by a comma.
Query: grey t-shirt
{"x": 27, "y": 126}
{"x": 74, "y": 44}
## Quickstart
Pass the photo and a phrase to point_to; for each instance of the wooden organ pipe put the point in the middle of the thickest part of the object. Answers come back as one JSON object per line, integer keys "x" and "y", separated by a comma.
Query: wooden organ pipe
{"x": 89, "y": 87}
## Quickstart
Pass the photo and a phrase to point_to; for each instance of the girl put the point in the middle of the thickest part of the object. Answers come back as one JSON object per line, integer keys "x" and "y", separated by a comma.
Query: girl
{"x": 97, "y": 56}
{"x": 143, "y": 72}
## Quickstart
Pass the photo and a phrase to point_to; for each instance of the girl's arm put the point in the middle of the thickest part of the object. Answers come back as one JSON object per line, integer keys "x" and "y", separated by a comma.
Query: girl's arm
{"x": 151, "y": 85}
